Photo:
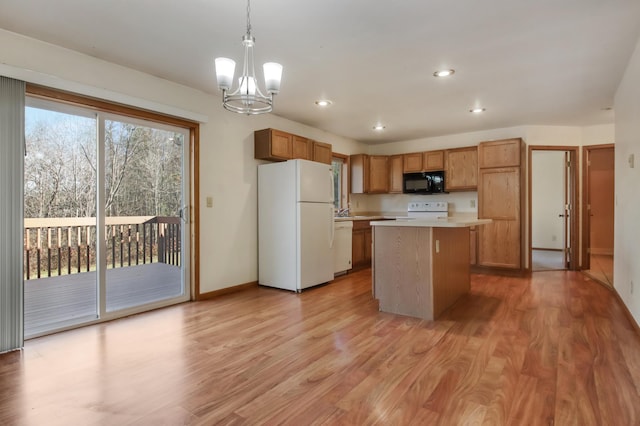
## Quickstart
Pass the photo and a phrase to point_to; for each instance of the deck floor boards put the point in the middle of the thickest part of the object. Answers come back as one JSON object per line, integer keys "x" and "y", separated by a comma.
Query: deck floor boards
{"x": 55, "y": 302}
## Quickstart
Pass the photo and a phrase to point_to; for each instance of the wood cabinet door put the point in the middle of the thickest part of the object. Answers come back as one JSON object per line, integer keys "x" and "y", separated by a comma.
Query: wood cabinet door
{"x": 281, "y": 144}
{"x": 461, "y": 169}
{"x": 499, "y": 242}
{"x": 322, "y": 152}
{"x": 367, "y": 245}
{"x": 499, "y": 193}
{"x": 359, "y": 173}
{"x": 396, "y": 165}
{"x": 412, "y": 163}
{"x": 378, "y": 174}
{"x": 502, "y": 153}
{"x": 357, "y": 248}
{"x": 433, "y": 161}
{"x": 301, "y": 148}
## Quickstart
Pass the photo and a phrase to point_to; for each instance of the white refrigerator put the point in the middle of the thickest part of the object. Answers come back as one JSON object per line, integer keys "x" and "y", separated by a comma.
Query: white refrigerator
{"x": 295, "y": 224}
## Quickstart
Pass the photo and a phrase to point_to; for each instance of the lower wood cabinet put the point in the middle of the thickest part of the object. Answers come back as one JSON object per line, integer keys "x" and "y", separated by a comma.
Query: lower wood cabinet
{"x": 361, "y": 244}
{"x": 499, "y": 199}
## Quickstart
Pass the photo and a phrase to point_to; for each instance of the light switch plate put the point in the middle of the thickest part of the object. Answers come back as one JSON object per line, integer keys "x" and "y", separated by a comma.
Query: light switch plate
{"x": 209, "y": 201}
{"x": 631, "y": 160}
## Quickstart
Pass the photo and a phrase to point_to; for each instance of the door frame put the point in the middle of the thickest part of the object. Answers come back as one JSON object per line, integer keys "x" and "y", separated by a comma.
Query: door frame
{"x": 192, "y": 197}
{"x": 573, "y": 183}
{"x": 586, "y": 222}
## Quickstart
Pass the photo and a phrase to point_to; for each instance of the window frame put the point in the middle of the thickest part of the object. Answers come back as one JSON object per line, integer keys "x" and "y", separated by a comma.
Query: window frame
{"x": 344, "y": 178}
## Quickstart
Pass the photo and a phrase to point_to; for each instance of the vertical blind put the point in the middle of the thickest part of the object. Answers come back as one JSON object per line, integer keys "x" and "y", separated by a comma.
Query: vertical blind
{"x": 12, "y": 93}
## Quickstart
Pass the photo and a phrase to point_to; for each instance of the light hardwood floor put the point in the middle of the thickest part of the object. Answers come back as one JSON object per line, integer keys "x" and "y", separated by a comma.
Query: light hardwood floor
{"x": 555, "y": 348}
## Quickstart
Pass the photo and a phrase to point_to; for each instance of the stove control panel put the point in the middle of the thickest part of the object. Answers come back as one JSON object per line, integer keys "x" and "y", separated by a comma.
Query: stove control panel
{"x": 428, "y": 206}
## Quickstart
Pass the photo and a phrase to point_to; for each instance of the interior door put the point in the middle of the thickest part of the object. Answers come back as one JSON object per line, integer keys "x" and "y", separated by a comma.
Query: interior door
{"x": 599, "y": 229}
{"x": 567, "y": 213}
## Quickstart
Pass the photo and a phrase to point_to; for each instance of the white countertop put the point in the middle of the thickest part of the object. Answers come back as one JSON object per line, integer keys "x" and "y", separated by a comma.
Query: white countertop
{"x": 450, "y": 222}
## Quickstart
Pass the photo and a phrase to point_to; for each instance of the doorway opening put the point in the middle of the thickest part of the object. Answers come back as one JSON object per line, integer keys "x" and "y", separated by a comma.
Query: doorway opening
{"x": 553, "y": 196}
{"x": 598, "y": 212}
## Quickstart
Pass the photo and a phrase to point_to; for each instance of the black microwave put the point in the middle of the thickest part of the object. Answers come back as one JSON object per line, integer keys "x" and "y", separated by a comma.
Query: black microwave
{"x": 423, "y": 183}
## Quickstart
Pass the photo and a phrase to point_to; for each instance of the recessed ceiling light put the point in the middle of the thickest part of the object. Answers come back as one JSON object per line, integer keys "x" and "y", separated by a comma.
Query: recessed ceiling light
{"x": 477, "y": 110}
{"x": 323, "y": 102}
{"x": 378, "y": 127}
{"x": 443, "y": 73}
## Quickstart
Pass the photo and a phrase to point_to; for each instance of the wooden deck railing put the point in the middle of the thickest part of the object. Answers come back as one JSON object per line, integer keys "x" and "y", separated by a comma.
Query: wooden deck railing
{"x": 61, "y": 246}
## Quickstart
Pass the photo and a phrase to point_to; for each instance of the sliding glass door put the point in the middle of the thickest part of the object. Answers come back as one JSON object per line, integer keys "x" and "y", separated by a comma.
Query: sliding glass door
{"x": 105, "y": 221}
{"x": 143, "y": 192}
{"x": 60, "y": 287}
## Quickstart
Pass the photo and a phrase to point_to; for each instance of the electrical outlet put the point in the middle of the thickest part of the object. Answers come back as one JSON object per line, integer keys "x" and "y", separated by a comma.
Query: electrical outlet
{"x": 554, "y": 238}
{"x": 473, "y": 203}
{"x": 209, "y": 201}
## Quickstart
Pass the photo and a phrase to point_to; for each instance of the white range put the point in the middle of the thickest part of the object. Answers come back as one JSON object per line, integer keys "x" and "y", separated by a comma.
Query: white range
{"x": 428, "y": 209}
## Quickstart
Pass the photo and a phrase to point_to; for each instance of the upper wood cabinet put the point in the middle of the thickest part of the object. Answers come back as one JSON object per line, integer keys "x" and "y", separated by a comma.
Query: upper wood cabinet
{"x": 302, "y": 148}
{"x": 432, "y": 161}
{"x": 321, "y": 152}
{"x": 461, "y": 169}
{"x": 359, "y": 170}
{"x": 276, "y": 145}
{"x": 271, "y": 144}
{"x": 423, "y": 161}
{"x": 412, "y": 162}
{"x": 378, "y": 174}
{"x": 502, "y": 153}
{"x": 396, "y": 166}
{"x": 369, "y": 174}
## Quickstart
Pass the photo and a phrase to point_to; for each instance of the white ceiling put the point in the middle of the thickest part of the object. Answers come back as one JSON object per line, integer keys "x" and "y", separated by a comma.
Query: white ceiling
{"x": 538, "y": 62}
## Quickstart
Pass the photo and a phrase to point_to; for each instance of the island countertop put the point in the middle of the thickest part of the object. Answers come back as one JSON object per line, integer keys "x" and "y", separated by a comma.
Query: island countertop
{"x": 450, "y": 222}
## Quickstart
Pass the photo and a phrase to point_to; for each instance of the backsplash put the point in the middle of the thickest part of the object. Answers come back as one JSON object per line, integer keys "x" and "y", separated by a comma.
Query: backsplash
{"x": 459, "y": 202}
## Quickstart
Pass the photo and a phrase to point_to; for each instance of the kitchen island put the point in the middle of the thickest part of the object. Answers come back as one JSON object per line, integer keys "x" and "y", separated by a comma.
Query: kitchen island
{"x": 421, "y": 267}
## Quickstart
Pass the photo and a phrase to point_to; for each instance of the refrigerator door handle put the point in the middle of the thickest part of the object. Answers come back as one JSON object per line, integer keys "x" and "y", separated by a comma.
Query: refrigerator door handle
{"x": 331, "y": 194}
{"x": 332, "y": 231}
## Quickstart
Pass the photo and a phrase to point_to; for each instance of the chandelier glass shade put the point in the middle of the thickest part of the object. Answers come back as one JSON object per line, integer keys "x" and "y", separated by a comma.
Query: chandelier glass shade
{"x": 247, "y": 98}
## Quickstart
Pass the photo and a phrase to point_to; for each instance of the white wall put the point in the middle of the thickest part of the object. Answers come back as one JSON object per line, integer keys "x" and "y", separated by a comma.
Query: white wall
{"x": 547, "y": 199}
{"x": 228, "y": 171}
{"x": 627, "y": 227}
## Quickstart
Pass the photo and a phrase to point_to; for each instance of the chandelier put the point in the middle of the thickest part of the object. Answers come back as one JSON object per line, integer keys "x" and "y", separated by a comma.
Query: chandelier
{"x": 247, "y": 97}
